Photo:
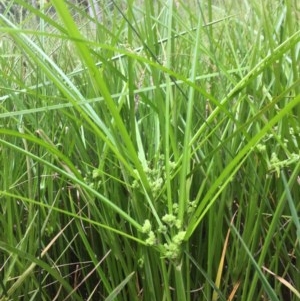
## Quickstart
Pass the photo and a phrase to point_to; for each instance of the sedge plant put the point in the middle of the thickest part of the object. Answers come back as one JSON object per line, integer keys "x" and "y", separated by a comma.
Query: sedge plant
{"x": 151, "y": 151}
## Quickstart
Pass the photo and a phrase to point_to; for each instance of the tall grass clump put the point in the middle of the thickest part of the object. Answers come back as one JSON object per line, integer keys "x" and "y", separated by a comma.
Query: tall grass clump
{"x": 150, "y": 152}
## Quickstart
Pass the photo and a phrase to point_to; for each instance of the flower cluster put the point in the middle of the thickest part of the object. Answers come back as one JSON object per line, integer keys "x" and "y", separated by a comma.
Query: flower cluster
{"x": 274, "y": 163}
{"x": 156, "y": 175}
{"x": 172, "y": 248}
{"x": 151, "y": 239}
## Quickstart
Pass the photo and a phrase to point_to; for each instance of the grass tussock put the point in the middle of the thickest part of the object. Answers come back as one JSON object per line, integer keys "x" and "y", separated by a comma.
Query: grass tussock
{"x": 150, "y": 152}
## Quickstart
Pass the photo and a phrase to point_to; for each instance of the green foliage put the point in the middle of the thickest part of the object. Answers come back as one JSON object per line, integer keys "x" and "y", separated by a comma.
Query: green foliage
{"x": 151, "y": 153}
